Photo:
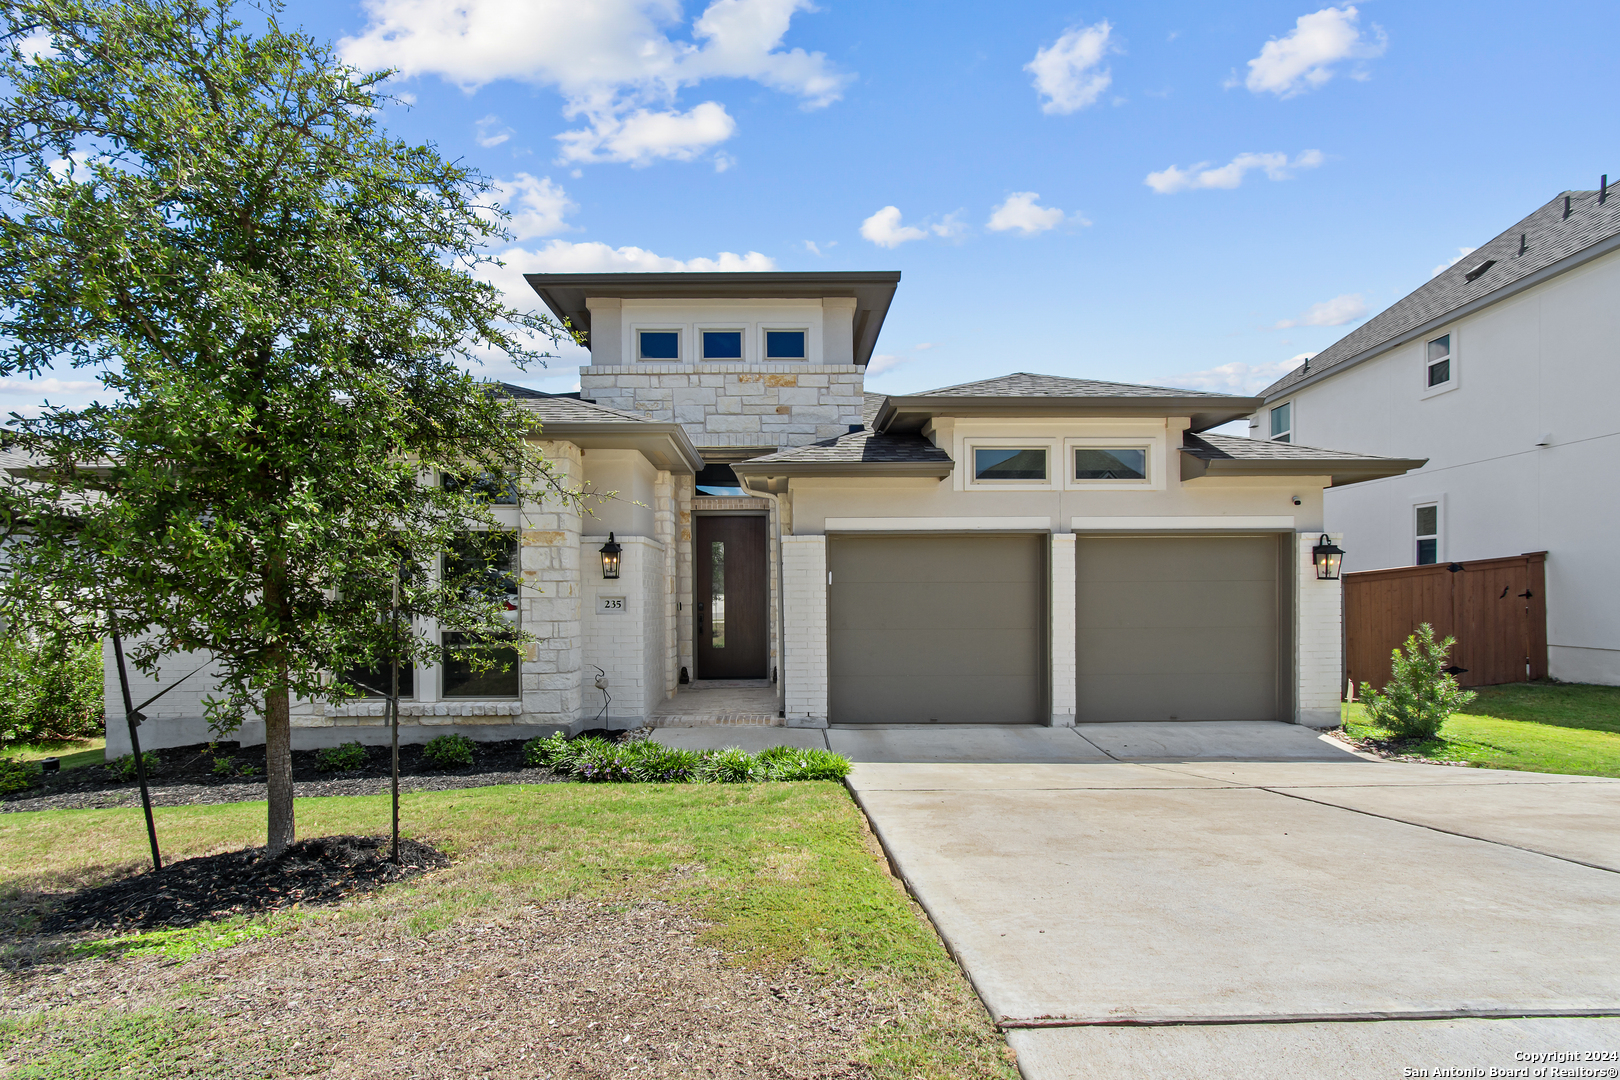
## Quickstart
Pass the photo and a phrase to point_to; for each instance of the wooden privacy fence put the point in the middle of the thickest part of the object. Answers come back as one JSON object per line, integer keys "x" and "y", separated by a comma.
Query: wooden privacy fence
{"x": 1495, "y": 608}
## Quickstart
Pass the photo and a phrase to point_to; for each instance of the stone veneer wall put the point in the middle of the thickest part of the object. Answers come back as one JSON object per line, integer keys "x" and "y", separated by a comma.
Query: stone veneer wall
{"x": 549, "y": 596}
{"x": 720, "y": 405}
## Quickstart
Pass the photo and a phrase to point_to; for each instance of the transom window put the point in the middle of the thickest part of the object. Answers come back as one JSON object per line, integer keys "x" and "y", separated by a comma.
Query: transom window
{"x": 1110, "y": 463}
{"x": 722, "y": 344}
{"x": 1438, "y": 359}
{"x": 658, "y": 344}
{"x": 784, "y": 345}
{"x": 1427, "y": 527}
{"x": 1282, "y": 422}
{"x": 1009, "y": 463}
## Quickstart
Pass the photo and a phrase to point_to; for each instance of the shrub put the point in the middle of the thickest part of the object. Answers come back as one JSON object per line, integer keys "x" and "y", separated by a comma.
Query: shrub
{"x": 541, "y": 753}
{"x": 1420, "y": 695}
{"x": 125, "y": 766}
{"x": 792, "y": 763}
{"x": 732, "y": 765}
{"x": 654, "y": 763}
{"x": 351, "y": 755}
{"x": 448, "y": 752}
{"x": 16, "y": 776}
{"x": 565, "y": 762}
{"x": 603, "y": 762}
{"x": 50, "y": 688}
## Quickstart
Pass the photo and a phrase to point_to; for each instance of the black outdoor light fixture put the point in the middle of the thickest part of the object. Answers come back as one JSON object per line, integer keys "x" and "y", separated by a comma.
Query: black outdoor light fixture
{"x": 1327, "y": 556}
{"x": 610, "y": 557}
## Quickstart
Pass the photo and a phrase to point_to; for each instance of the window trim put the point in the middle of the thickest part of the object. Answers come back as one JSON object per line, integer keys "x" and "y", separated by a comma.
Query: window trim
{"x": 970, "y": 450}
{"x": 1154, "y": 448}
{"x": 1439, "y": 535}
{"x": 765, "y": 329}
{"x": 1453, "y": 376}
{"x": 1287, "y": 434}
{"x": 742, "y": 343}
{"x": 659, "y": 328}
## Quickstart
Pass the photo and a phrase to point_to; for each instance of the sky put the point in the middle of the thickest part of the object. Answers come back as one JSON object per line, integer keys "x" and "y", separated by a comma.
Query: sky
{"x": 1177, "y": 194}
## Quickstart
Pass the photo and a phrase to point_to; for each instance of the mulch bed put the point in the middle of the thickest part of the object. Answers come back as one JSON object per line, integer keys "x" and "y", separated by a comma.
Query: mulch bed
{"x": 1392, "y": 749}
{"x": 323, "y": 870}
{"x": 185, "y": 776}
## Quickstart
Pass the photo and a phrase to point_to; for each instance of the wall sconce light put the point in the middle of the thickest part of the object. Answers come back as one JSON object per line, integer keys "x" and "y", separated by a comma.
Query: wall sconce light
{"x": 1327, "y": 557}
{"x": 610, "y": 557}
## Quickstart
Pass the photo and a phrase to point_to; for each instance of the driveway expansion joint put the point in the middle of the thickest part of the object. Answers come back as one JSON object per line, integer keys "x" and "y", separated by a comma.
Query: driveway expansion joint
{"x": 1042, "y": 1022}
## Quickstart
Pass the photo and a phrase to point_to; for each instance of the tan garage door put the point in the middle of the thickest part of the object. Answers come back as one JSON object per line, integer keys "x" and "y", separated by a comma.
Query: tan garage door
{"x": 942, "y": 629}
{"x": 1179, "y": 628}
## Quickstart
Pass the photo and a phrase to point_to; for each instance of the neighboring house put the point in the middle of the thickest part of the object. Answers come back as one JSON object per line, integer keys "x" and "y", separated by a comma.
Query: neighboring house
{"x": 1023, "y": 550}
{"x": 1504, "y": 372}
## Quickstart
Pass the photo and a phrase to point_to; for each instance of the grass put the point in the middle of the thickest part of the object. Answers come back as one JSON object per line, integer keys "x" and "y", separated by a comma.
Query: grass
{"x": 74, "y": 753}
{"x": 782, "y": 873}
{"x": 144, "y": 1044}
{"x": 1534, "y": 727}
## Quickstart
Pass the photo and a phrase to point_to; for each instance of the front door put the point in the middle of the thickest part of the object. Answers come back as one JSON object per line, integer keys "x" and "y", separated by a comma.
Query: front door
{"x": 729, "y": 606}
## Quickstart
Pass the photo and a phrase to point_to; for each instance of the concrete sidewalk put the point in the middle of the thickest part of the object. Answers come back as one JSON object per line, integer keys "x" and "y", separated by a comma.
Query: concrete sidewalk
{"x": 1215, "y": 918}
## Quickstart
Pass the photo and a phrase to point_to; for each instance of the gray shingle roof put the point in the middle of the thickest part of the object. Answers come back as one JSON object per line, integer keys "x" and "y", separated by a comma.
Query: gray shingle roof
{"x": 1026, "y": 385}
{"x": 1230, "y": 455}
{"x": 1549, "y": 237}
{"x": 861, "y": 447}
{"x": 567, "y": 408}
{"x": 870, "y": 406}
{"x": 1212, "y": 447}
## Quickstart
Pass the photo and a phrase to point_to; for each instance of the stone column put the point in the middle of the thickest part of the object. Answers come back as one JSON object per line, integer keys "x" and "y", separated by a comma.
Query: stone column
{"x": 664, "y": 533}
{"x": 804, "y": 573}
{"x": 685, "y": 488}
{"x": 549, "y": 600}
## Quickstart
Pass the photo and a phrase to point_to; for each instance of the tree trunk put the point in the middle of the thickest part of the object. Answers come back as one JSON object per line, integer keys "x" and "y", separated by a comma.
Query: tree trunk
{"x": 278, "y": 763}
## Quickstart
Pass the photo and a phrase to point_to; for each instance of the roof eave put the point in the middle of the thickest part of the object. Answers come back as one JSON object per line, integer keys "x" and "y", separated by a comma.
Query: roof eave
{"x": 771, "y": 476}
{"x": 666, "y": 445}
{"x": 1342, "y": 471}
{"x": 1512, "y": 288}
{"x": 909, "y": 414}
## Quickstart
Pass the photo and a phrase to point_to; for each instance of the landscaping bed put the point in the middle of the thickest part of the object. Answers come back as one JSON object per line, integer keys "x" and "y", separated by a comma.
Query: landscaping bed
{"x": 580, "y": 930}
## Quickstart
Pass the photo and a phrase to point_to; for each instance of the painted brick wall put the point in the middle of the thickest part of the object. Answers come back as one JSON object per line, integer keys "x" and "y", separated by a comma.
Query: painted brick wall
{"x": 176, "y": 719}
{"x": 804, "y": 580}
{"x": 1320, "y": 640}
{"x": 736, "y": 404}
{"x": 1063, "y": 629}
{"x": 627, "y": 643}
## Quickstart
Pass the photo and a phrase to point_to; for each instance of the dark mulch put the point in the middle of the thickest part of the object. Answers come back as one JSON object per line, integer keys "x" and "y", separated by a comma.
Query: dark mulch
{"x": 319, "y": 871}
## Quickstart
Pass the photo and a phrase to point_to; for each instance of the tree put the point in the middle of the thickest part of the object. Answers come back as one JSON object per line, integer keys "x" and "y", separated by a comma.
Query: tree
{"x": 277, "y": 297}
{"x": 1420, "y": 694}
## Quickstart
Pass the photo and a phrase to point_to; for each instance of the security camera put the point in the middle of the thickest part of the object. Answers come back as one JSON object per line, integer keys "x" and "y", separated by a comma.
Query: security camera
{"x": 1296, "y": 500}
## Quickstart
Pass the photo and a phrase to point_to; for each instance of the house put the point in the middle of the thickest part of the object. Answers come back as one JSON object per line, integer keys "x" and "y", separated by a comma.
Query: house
{"x": 1024, "y": 550}
{"x": 1502, "y": 371}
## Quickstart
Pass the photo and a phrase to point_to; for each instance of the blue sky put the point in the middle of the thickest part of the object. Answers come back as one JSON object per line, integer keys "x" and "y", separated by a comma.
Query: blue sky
{"x": 1166, "y": 193}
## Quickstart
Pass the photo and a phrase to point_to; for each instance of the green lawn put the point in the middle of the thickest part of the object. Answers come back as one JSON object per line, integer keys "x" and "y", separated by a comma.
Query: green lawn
{"x": 1535, "y": 727}
{"x": 75, "y": 754}
{"x": 783, "y": 874}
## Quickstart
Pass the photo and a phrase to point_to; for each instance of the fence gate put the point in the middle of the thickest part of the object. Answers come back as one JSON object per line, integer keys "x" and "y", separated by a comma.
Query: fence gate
{"x": 1495, "y": 608}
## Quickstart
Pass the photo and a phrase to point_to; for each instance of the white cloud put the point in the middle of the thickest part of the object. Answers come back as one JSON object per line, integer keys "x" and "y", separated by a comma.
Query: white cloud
{"x": 885, "y": 362}
{"x": 1304, "y": 59}
{"x": 52, "y": 385}
{"x": 1276, "y": 167}
{"x": 723, "y": 161}
{"x": 562, "y": 256}
{"x": 922, "y": 345}
{"x": 614, "y": 62}
{"x": 643, "y": 136}
{"x": 812, "y": 247}
{"x": 1335, "y": 312}
{"x": 1462, "y": 253}
{"x": 1068, "y": 75}
{"x": 1237, "y": 378}
{"x": 537, "y": 205}
{"x": 35, "y": 45}
{"x": 1020, "y": 211}
{"x": 491, "y": 132}
{"x": 884, "y": 229}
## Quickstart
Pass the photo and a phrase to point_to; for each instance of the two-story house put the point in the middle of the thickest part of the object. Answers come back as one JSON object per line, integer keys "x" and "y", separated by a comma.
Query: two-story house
{"x": 1503, "y": 371}
{"x": 1028, "y": 549}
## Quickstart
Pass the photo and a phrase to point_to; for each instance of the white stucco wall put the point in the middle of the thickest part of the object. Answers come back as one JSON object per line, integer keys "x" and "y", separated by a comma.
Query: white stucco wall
{"x": 1546, "y": 362}
{"x": 620, "y": 495}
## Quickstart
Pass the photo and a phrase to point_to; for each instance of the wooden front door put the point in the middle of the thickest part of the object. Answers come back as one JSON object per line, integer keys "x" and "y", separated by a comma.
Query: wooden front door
{"x": 729, "y": 616}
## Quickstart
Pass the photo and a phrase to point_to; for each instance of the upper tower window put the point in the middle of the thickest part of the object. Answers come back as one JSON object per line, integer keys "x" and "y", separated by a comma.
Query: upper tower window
{"x": 658, "y": 345}
{"x": 784, "y": 344}
{"x": 722, "y": 344}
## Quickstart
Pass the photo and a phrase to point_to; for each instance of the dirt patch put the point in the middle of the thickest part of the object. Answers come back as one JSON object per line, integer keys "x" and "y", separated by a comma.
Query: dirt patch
{"x": 323, "y": 870}
{"x": 568, "y": 989}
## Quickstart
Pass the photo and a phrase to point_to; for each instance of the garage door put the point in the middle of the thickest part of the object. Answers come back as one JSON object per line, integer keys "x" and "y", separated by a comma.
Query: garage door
{"x": 1178, "y": 628}
{"x": 941, "y": 629}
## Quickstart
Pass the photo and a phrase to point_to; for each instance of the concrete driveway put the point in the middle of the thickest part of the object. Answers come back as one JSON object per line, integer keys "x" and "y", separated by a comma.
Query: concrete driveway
{"x": 1209, "y": 900}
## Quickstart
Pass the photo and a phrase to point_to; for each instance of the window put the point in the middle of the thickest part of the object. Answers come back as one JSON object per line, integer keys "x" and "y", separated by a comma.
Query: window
{"x": 658, "y": 344}
{"x": 1427, "y": 527}
{"x": 784, "y": 345}
{"x": 1282, "y": 422}
{"x": 1110, "y": 463}
{"x": 1009, "y": 463}
{"x": 1438, "y": 361}
{"x": 722, "y": 344}
{"x": 481, "y": 566}
{"x": 373, "y": 682}
{"x": 497, "y": 490}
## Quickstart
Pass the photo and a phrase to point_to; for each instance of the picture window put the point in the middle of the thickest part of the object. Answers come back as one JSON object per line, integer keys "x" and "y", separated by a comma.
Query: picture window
{"x": 722, "y": 345}
{"x": 1110, "y": 463}
{"x": 785, "y": 345}
{"x": 1009, "y": 463}
{"x": 658, "y": 344}
{"x": 1282, "y": 422}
